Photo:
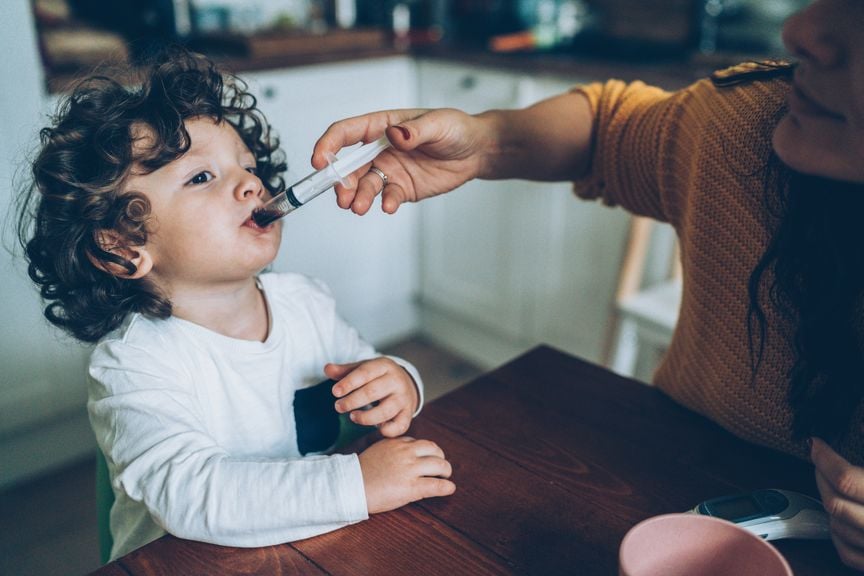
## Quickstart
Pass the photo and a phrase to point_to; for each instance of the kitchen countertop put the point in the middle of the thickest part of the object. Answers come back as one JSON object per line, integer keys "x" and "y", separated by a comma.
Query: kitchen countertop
{"x": 670, "y": 73}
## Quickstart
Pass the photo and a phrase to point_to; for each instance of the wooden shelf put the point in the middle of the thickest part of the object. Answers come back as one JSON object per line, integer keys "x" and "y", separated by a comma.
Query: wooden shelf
{"x": 291, "y": 43}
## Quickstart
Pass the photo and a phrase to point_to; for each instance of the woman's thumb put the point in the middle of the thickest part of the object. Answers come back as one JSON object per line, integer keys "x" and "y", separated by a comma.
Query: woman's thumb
{"x": 404, "y": 136}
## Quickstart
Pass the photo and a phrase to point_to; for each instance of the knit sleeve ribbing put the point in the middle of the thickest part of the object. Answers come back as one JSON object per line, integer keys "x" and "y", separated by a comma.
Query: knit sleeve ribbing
{"x": 646, "y": 148}
{"x": 655, "y": 152}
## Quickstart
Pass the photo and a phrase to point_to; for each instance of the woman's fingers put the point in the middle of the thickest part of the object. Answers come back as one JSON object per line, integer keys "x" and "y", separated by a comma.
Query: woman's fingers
{"x": 838, "y": 506}
{"x": 393, "y": 196}
{"x": 851, "y": 535}
{"x": 841, "y": 486}
{"x": 364, "y": 128}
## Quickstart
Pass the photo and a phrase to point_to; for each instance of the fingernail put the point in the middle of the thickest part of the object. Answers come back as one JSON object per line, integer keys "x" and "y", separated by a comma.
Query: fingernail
{"x": 810, "y": 443}
{"x": 404, "y": 131}
{"x": 353, "y": 417}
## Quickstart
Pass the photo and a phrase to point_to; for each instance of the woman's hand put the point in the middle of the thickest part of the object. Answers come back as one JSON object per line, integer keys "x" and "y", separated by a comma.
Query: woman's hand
{"x": 432, "y": 152}
{"x": 842, "y": 488}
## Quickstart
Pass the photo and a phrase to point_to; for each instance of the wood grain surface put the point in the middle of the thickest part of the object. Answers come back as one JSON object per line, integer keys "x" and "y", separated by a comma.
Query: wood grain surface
{"x": 554, "y": 460}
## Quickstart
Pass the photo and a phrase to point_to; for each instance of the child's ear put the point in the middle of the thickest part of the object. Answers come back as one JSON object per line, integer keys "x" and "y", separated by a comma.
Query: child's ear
{"x": 138, "y": 256}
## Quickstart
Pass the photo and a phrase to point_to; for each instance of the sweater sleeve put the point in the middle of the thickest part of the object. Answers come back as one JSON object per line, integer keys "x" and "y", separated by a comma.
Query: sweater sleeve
{"x": 642, "y": 148}
{"x": 151, "y": 426}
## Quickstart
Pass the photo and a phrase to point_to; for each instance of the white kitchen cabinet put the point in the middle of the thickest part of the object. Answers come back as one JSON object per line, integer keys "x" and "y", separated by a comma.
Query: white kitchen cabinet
{"x": 370, "y": 263}
{"x": 579, "y": 252}
{"x": 506, "y": 265}
{"x": 470, "y": 241}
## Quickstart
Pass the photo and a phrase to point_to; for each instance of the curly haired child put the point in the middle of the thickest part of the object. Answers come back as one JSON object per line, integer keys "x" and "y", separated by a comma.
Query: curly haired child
{"x": 138, "y": 231}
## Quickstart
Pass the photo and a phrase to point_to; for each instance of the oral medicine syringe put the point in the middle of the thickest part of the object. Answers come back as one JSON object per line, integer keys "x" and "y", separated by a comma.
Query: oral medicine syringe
{"x": 314, "y": 184}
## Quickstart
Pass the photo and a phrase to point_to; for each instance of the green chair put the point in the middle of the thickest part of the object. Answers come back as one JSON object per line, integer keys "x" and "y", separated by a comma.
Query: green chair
{"x": 319, "y": 429}
{"x": 104, "y": 501}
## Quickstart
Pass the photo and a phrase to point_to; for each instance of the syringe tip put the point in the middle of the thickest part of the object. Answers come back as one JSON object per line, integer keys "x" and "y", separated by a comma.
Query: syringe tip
{"x": 264, "y": 217}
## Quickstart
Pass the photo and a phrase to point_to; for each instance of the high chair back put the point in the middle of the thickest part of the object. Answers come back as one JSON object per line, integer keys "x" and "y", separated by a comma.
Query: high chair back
{"x": 647, "y": 299}
{"x": 104, "y": 501}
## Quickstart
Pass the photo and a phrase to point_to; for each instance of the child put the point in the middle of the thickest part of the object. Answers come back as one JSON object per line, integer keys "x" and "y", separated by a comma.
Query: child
{"x": 143, "y": 241}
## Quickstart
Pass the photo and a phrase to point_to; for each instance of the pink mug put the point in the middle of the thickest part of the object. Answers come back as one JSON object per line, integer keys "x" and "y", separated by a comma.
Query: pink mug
{"x": 690, "y": 544}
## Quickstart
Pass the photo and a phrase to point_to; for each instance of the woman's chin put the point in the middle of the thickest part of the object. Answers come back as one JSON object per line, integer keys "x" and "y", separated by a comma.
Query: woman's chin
{"x": 788, "y": 142}
{"x": 815, "y": 153}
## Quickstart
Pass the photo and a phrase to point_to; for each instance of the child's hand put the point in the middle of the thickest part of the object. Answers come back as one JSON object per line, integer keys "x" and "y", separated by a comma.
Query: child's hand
{"x": 378, "y": 380}
{"x": 398, "y": 471}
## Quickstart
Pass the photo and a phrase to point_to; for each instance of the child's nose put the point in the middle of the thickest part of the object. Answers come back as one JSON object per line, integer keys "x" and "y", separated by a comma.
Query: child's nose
{"x": 815, "y": 34}
{"x": 248, "y": 186}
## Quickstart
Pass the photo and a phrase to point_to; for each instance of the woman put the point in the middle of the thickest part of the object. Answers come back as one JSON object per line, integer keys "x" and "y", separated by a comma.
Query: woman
{"x": 761, "y": 172}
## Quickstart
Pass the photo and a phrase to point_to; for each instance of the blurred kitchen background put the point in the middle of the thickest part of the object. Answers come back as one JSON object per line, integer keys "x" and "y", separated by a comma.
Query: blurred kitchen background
{"x": 458, "y": 284}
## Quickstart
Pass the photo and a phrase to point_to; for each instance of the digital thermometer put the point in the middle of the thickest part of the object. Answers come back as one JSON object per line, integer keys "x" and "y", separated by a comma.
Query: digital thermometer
{"x": 771, "y": 514}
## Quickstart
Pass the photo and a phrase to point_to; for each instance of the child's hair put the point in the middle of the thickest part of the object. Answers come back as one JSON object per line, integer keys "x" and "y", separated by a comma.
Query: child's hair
{"x": 84, "y": 158}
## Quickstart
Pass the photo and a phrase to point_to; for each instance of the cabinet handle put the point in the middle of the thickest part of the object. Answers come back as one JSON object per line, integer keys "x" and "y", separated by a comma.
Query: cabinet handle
{"x": 468, "y": 82}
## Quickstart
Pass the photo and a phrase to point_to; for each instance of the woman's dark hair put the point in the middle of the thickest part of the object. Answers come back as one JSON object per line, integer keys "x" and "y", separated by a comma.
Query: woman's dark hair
{"x": 817, "y": 258}
{"x": 84, "y": 158}
{"x": 815, "y": 262}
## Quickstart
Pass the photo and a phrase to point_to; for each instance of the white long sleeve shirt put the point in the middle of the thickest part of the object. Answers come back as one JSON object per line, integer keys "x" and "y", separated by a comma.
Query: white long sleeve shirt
{"x": 198, "y": 428}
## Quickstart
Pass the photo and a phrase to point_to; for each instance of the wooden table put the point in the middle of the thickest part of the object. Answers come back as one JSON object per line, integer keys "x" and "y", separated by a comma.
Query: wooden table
{"x": 554, "y": 460}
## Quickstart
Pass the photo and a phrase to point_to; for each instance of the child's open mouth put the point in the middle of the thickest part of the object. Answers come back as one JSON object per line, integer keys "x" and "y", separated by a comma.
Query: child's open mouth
{"x": 250, "y": 222}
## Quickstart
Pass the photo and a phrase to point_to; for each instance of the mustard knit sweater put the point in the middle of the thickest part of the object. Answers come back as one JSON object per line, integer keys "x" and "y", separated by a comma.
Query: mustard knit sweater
{"x": 697, "y": 159}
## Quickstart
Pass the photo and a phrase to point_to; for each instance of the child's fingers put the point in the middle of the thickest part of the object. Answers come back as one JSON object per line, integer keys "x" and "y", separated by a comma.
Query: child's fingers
{"x": 375, "y": 390}
{"x": 395, "y": 427}
{"x": 386, "y": 410}
{"x": 427, "y": 448}
{"x": 434, "y": 466}
{"x": 354, "y": 376}
{"x": 430, "y": 487}
{"x": 339, "y": 371}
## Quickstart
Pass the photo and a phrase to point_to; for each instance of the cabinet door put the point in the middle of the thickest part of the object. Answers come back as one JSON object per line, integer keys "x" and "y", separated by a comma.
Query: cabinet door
{"x": 511, "y": 264}
{"x": 471, "y": 238}
{"x": 576, "y": 254}
{"x": 370, "y": 263}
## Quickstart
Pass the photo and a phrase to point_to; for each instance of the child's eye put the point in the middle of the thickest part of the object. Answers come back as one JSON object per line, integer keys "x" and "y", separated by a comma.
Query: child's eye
{"x": 201, "y": 178}
{"x": 252, "y": 170}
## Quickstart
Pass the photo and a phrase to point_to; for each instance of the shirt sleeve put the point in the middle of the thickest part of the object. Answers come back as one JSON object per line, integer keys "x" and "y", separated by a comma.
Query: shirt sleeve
{"x": 151, "y": 427}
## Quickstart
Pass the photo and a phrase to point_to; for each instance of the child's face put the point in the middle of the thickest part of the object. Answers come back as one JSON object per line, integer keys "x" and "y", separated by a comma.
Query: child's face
{"x": 201, "y": 232}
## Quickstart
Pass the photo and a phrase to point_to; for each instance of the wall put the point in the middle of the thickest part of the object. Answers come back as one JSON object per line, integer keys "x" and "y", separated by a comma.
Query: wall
{"x": 42, "y": 374}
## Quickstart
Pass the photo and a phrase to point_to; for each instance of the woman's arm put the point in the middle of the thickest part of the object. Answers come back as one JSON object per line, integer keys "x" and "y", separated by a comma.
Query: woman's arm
{"x": 549, "y": 141}
{"x": 438, "y": 150}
